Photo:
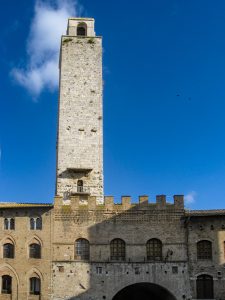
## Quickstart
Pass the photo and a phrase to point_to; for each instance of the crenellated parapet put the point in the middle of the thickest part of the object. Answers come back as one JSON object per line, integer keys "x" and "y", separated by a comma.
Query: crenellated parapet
{"x": 89, "y": 203}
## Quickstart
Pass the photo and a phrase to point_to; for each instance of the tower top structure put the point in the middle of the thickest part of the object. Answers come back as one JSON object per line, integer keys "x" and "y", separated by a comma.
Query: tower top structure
{"x": 74, "y": 24}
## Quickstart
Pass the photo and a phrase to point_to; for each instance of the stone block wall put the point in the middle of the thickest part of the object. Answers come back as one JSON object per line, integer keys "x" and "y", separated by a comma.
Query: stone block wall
{"x": 80, "y": 133}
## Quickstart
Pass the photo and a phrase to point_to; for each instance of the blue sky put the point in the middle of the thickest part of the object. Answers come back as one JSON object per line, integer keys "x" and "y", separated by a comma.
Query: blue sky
{"x": 164, "y": 97}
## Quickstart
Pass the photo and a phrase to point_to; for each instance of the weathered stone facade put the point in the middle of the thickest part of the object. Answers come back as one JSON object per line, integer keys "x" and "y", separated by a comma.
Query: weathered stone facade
{"x": 86, "y": 247}
{"x": 80, "y": 147}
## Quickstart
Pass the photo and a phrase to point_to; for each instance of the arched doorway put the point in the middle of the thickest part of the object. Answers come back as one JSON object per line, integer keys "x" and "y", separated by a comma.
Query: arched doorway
{"x": 144, "y": 291}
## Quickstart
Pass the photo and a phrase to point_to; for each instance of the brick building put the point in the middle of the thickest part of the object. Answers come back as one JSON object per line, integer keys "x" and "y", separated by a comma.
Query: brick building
{"x": 84, "y": 246}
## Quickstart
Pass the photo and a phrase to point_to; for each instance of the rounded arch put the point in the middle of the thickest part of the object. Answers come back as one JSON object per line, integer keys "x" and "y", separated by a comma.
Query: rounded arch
{"x": 205, "y": 286}
{"x": 82, "y": 29}
{"x": 204, "y": 239}
{"x": 117, "y": 249}
{"x": 82, "y": 249}
{"x": 154, "y": 249}
{"x": 204, "y": 249}
{"x": 144, "y": 291}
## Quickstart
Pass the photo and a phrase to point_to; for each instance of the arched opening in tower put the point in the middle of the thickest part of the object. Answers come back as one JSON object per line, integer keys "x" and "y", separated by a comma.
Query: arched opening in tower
{"x": 144, "y": 291}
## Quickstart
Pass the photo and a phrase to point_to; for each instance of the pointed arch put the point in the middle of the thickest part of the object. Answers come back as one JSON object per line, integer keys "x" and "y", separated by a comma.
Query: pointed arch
{"x": 34, "y": 271}
{"x": 9, "y": 270}
{"x": 35, "y": 239}
{"x": 8, "y": 238}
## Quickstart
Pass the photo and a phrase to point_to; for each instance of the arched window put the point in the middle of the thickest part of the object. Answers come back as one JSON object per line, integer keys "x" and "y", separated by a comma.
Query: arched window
{"x": 35, "y": 286}
{"x": 35, "y": 223}
{"x": 9, "y": 223}
{"x": 204, "y": 250}
{"x": 34, "y": 251}
{"x": 204, "y": 286}
{"x": 117, "y": 250}
{"x": 154, "y": 249}
{"x": 6, "y": 284}
{"x": 80, "y": 186}
{"x": 82, "y": 29}
{"x": 8, "y": 250}
{"x": 38, "y": 223}
{"x": 82, "y": 249}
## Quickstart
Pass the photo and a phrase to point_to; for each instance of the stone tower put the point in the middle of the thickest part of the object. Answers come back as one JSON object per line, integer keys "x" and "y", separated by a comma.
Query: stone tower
{"x": 80, "y": 133}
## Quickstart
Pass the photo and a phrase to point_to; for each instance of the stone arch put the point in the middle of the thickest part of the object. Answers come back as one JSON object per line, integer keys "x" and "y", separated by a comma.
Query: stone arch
{"x": 35, "y": 271}
{"x": 204, "y": 239}
{"x": 7, "y": 239}
{"x": 6, "y": 269}
{"x": 204, "y": 249}
{"x": 204, "y": 286}
{"x": 82, "y": 29}
{"x": 35, "y": 239}
{"x": 144, "y": 291}
{"x": 203, "y": 273}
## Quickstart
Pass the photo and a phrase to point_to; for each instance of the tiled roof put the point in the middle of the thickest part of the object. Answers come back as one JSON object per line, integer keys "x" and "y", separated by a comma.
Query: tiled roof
{"x": 14, "y": 204}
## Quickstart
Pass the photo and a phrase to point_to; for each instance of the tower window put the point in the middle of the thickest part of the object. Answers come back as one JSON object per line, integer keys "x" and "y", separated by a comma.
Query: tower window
{"x": 204, "y": 286}
{"x": 204, "y": 250}
{"x": 35, "y": 251}
{"x": 6, "y": 284}
{"x": 117, "y": 250}
{"x": 35, "y": 286}
{"x": 8, "y": 250}
{"x": 9, "y": 223}
{"x": 82, "y": 249}
{"x": 154, "y": 249}
{"x": 82, "y": 29}
{"x": 80, "y": 186}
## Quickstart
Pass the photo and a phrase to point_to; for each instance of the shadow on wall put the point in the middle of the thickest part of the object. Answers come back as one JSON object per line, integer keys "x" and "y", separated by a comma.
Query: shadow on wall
{"x": 136, "y": 250}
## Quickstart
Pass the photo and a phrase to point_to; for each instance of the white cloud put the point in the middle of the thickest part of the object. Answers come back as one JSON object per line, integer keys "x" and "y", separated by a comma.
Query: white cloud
{"x": 190, "y": 198}
{"x": 47, "y": 26}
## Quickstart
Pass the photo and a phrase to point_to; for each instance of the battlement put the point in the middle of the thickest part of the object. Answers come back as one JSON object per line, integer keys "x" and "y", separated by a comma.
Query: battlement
{"x": 89, "y": 202}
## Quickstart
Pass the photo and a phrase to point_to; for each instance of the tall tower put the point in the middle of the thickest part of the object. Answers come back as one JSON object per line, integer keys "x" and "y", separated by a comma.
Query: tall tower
{"x": 80, "y": 133}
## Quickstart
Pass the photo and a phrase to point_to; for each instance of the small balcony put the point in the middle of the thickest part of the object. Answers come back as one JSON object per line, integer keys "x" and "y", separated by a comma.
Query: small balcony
{"x": 81, "y": 190}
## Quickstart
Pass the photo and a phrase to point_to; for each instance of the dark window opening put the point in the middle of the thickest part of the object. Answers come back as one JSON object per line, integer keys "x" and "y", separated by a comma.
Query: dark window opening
{"x": 80, "y": 186}
{"x": 6, "y": 284}
{"x": 35, "y": 286}
{"x": 36, "y": 223}
{"x": 82, "y": 249}
{"x": 9, "y": 223}
{"x": 204, "y": 250}
{"x": 204, "y": 286}
{"x": 81, "y": 30}
{"x": 35, "y": 251}
{"x": 8, "y": 250}
{"x": 154, "y": 249}
{"x": 117, "y": 250}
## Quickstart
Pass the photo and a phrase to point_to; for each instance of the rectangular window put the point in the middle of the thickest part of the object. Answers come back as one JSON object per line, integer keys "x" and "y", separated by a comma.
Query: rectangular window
{"x": 98, "y": 270}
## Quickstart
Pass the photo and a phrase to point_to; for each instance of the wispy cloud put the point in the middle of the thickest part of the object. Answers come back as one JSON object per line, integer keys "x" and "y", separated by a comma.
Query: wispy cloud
{"x": 190, "y": 198}
{"x": 48, "y": 24}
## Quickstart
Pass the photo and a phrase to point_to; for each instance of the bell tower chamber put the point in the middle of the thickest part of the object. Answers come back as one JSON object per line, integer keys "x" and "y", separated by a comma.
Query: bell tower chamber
{"x": 80, "y": 115}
